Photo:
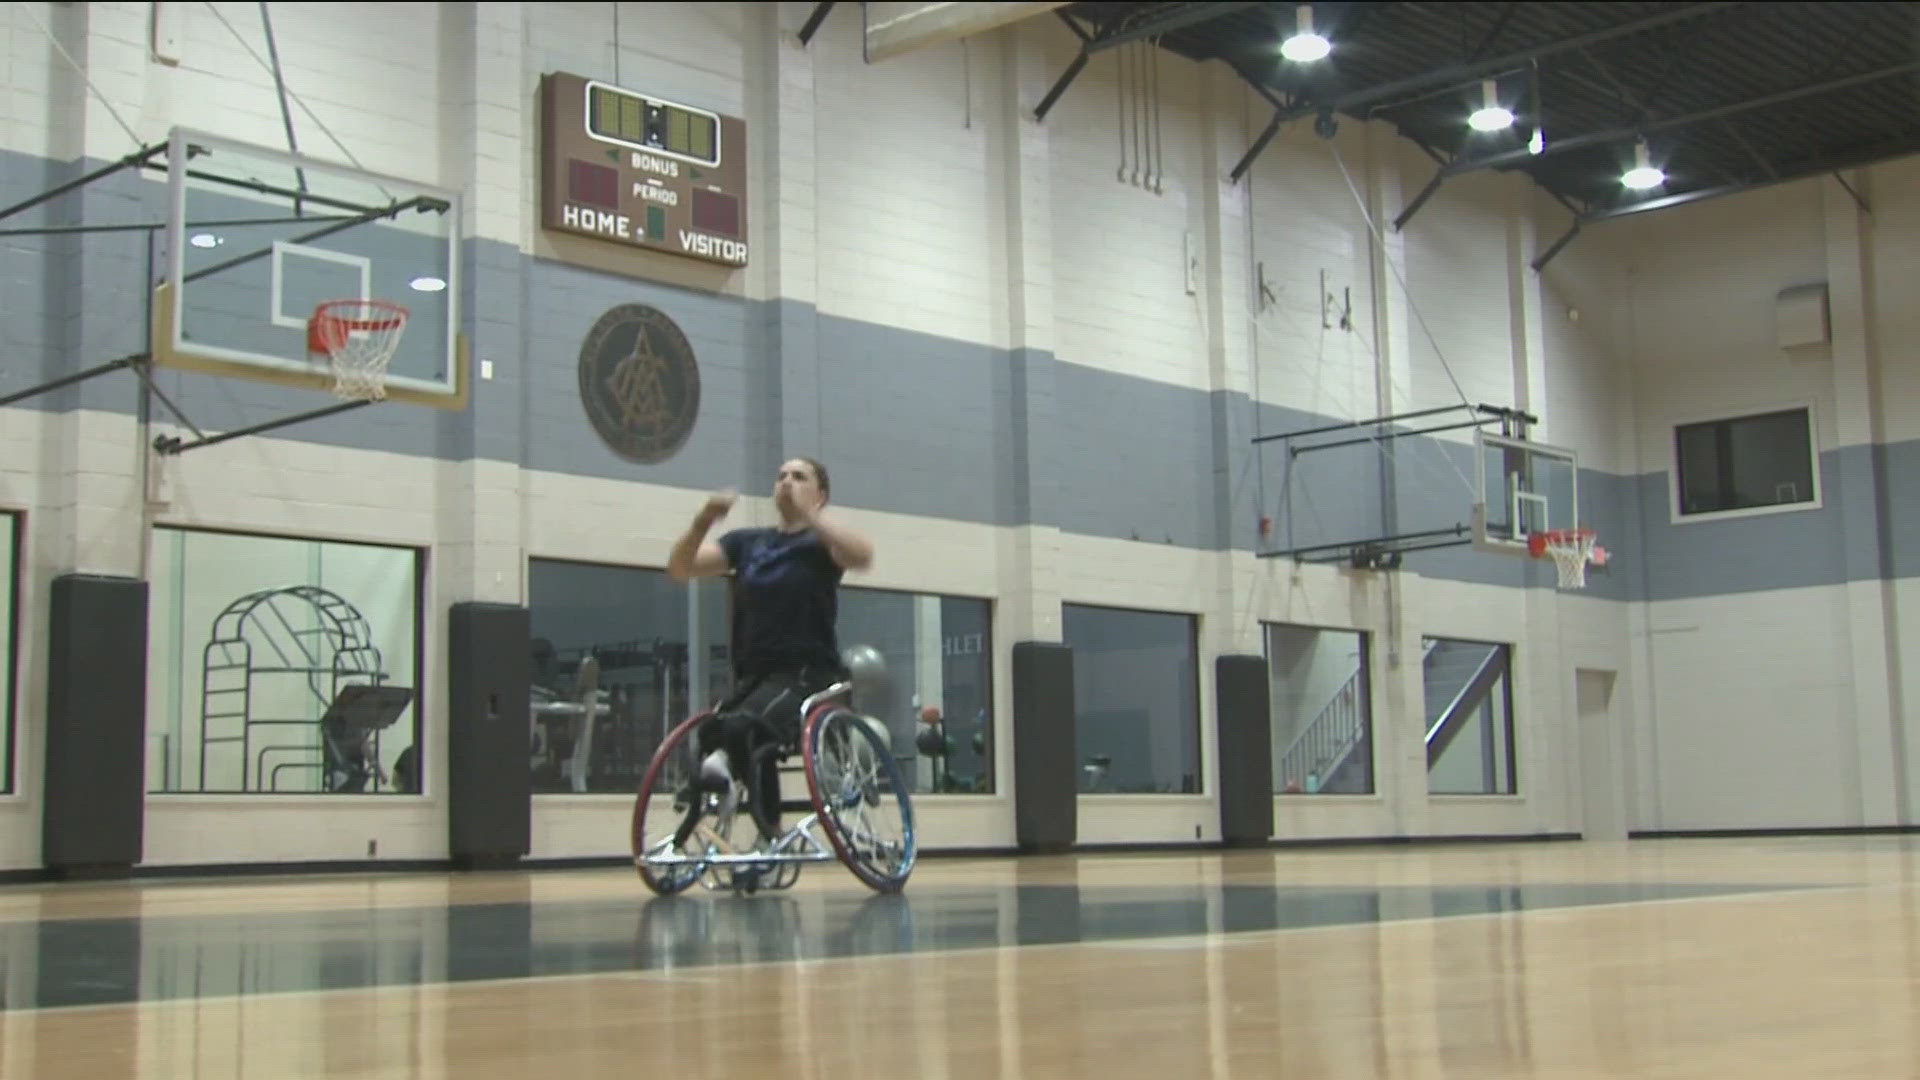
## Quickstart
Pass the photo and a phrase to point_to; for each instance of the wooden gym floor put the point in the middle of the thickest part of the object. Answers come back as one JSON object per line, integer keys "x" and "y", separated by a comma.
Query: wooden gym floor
{"x": 1681, "y": 958}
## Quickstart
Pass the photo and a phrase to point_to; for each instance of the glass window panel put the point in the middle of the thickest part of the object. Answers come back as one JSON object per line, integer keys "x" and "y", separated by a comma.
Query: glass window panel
{"x": 1748, "y": 461}
{"x": 1137, "y": 694}
{"x": 938, "y": 706}
{"x": 615, "y": 638}
{"x": 1469, "y": 709}
{"x": 255, "y": 645}
{"x": 1321, "y": 710}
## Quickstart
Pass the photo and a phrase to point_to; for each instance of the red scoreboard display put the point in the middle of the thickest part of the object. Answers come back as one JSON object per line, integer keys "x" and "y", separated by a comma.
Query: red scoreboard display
{"x": 632, "y": 168}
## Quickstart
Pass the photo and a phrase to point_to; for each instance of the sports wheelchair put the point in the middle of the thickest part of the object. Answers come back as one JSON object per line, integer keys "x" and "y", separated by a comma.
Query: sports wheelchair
{"x": 857, "y": 800}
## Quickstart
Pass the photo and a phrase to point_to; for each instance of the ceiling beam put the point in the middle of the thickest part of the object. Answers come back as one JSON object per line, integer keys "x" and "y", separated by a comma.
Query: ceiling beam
{"x": 1883, "y": 152}
{"x": 1837, "y": 166}
{"x": 1464, "y": 165}
{"x": 1167, "y": 21}
{"x": 1460, "y": 74}
{"x": 1466, "y": 73}
{"x": 820, "y": 12}
{"x": 892, "y": 29}
{"x": 1162, "y": 22}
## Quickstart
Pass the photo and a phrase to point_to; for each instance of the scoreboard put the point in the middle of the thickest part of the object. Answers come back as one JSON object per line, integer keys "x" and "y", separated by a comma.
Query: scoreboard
{"x": 632, "y": 168}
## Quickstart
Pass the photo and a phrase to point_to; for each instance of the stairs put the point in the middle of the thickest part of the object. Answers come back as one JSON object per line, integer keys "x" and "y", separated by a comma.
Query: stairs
{"x": 1450, "y": 668}
{"x": 1458, "y": 677}
{"x": 1321, "y": 757}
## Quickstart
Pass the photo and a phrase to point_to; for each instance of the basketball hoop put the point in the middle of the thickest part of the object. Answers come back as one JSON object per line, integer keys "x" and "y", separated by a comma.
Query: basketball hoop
{"x": 358, "y": 337}
{"x": 1571, "y": 549}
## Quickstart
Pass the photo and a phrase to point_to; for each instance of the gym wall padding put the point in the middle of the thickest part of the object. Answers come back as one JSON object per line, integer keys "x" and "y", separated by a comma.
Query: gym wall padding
{"x": 93, "y": 821}
{"x": 1045, "y": 783}
{"x": 1246, "y": 749}
{"x": 489, "y": 781}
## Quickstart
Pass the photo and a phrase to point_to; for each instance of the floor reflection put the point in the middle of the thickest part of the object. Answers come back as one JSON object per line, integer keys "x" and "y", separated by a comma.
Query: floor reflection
{"x": 94, "y": 961}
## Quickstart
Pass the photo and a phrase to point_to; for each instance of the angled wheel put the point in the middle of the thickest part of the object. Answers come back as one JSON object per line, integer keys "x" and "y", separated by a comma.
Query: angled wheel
{"x": 860, "y": 796}
{"x": 669, "y": 846}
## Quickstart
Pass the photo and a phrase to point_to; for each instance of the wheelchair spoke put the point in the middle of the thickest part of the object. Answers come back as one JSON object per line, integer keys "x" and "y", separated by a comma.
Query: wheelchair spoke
{"x": 862, "y": 800}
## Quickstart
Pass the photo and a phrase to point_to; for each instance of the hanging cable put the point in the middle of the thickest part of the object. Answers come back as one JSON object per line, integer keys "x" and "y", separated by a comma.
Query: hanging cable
{"x": 1379, "y": 238}
{"x": 1120, "y": 106}
{"x": 1159, "y": 162}
{"x": 297, "y": 100}
{"x": 286, "y": 116}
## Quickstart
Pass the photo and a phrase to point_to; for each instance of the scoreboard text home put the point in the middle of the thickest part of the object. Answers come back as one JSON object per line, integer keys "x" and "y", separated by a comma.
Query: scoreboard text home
{"x": 631, "y": 168}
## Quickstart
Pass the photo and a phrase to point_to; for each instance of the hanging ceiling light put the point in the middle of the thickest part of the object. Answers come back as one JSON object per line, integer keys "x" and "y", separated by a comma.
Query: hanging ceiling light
{"x": 1643, "y": 175}
{"x": 1305, "y": 46}
{"x": 1491, "y": 115}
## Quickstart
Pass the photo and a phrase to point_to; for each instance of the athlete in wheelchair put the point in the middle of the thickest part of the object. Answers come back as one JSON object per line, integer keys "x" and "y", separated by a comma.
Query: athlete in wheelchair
{"x": 794, "y": 693}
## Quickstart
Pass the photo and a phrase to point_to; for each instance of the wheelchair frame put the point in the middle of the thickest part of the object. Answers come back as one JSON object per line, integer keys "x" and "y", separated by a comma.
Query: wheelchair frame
{"x": 719, "y": 864}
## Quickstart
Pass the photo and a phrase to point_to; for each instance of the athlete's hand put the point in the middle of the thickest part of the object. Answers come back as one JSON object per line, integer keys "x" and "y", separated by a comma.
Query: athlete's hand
{"x": 717, "y": 506}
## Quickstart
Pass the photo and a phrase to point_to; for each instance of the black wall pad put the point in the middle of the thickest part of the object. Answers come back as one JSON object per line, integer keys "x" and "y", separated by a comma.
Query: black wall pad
{"x": 94, "y": 806}
{"x": 1246, "y": 749}
{"x": 1045, "y": 781}
{"x": 489, "y": 780}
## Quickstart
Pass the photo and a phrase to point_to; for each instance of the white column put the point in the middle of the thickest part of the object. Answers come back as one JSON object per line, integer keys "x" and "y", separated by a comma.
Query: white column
{"x": 1875, "y": 768}
{"x": 483, "y": 501}
{"x": 1221, "y": 272}
{"x": 1400, "y": 748}
{"x": 1030, "y": 552}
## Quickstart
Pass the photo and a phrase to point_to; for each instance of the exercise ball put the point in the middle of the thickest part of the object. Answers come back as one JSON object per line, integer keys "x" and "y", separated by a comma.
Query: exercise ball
{"x": 931, "y": 742}
{"x": 872, "y": 689}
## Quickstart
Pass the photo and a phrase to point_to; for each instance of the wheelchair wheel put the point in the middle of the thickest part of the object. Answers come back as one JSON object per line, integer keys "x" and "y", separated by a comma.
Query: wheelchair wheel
{"x": 860, "y": 797}
{"x": 669, "y": 849}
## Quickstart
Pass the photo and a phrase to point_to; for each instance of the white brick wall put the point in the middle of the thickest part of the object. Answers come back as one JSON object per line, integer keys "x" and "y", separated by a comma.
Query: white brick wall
{"x": 1120, "y": 293}
{"x": 1777, "y": 708}
{"x": 1309, "y": 234}
{"x": 28, "y": 59}
{"x": 1458, "y": 275}
{"x": 1686, "y": 366}
{"x": 1747, "y": 726}
{"x": 1588, "y": 400}
{"x": 906, "y": 181}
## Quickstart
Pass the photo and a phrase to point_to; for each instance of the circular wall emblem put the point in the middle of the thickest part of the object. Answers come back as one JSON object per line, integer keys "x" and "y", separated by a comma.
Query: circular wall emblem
{"x": 639, "y": 383}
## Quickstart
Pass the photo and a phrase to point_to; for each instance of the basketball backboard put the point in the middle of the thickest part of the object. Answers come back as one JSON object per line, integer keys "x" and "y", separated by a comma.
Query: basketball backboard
{"x": 258, "y": 238}
{"x": 1523, "y": 487}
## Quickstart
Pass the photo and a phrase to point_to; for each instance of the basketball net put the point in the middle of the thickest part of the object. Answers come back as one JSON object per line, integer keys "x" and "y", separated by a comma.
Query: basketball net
{"x": 1571, "y": 550}
{"x": 359, "y": 338}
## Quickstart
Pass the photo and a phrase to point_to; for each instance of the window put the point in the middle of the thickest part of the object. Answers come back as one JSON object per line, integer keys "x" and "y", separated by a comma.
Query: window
{"x": 1746, "y": 462}
{"x": 282, "y": 665}
{"x": 620, "y": 636}
{"x": 939, "y": 656}
{"x": 1136, "y": 686}
{"x": 9, "y": 636}
{"x": 1469, "y": 692}
{"x": 1322, "y": 720}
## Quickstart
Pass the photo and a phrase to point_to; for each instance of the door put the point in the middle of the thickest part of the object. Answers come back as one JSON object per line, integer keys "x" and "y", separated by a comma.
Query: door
{"x": 1602, "y": 780}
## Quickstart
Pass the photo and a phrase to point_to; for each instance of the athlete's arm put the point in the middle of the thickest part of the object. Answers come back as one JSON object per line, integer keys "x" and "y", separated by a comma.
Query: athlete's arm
{"x": 848, "y": 548}
{"x": 693, "y": 554}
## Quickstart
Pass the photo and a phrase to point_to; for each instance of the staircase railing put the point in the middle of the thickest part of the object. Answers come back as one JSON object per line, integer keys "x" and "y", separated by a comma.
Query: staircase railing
{"x": 1324, "y": 744}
